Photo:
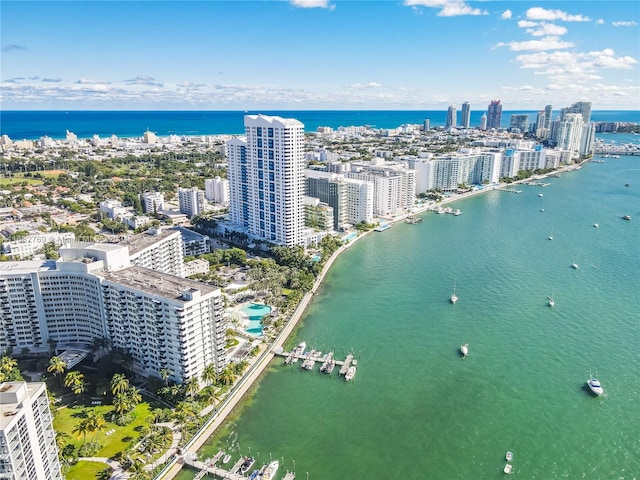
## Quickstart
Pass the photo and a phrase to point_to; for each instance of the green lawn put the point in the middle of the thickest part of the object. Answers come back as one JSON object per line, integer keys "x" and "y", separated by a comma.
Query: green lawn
{"x": 85, "y": 470}
{"x": 67, "y": 418}
{"x": 18, "y": 179}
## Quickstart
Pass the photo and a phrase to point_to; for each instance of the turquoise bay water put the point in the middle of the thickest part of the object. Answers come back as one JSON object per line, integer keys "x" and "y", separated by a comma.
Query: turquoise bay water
{"x": 416, "y": 409}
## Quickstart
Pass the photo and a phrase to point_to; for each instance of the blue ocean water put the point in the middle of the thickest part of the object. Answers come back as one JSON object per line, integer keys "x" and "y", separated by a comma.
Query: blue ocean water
{"x": 132, "y": 124}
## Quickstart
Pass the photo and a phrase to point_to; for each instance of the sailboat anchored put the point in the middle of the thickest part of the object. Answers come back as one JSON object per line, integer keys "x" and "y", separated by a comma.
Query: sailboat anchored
{"x": 454, "y": 297}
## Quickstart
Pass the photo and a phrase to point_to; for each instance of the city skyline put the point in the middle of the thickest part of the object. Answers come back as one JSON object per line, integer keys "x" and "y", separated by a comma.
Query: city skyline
{"x": 318, "y": 54}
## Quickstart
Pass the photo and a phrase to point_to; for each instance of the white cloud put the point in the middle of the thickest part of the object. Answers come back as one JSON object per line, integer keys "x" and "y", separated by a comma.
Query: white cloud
{"x": 600, "y": 22}
{"x": 527, "y": 24}
{"x": 448, "y": 8}
{"x": 543, "y": 29}
{"x": 624, "y": 24}
{"x": 89, "y": 81}
{"x": 312, "y": 4}
{"x": 539, "y": 13}
{"x": 362, "y": 86}
{"x": 506, "y": 15}
{"x": 150, "y": 81}
{"x": 546, "y": 43}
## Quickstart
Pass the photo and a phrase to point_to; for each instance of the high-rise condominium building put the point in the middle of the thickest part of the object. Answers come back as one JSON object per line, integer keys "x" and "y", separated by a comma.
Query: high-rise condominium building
{"x": 548, "y": 113}
{"x": 266, "y": 179}
{"x": 451, "y": 117}
{"x": 191, "y": 201}
{"x": 465, "y": 115}
{"x": 217, "y": 190}
{"x": 329, "y": 188}
{"x": 494, "y": 115}
{"x": 583, "y": 108}
{"x": 28, "y": 448}
{"x": 519, "y": 122}
{"x": 152, "y": 202}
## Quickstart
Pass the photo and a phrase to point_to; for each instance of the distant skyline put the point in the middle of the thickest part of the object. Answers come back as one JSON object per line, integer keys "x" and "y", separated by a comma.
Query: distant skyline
{"x": 318, "y": 54}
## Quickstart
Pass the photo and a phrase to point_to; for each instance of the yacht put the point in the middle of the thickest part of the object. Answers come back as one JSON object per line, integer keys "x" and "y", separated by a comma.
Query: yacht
{"x": 350, "y": 373}
{"x": 453, "y": 298}
{"x": 574, "y": 265}
{"x": 270, "y": 472}
{"x": 509, "y": 456}
{"x": 298, "y": 351}
{"x": 596, "y": 225}
{"x": 540, "y": 195}
{"x": 464, "y": 350}
{"x": 247, "y": 464}
{"x": 508, "y": 468}
{"x": 594, "y": 385}
{"x": 627, "y": 217}
{"x": 457, "y": 212}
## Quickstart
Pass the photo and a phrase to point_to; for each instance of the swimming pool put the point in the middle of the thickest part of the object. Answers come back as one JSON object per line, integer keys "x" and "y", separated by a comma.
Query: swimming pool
{"x": 351, "y": 236}
{"x": 255, "y": 312}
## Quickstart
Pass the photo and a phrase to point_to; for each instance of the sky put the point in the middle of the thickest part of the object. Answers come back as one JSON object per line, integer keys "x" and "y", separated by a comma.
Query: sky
{"x": 318, "y": 54}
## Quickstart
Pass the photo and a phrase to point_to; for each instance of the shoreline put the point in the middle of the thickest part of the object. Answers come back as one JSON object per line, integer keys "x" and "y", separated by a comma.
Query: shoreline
{"x": 263, "y": 361}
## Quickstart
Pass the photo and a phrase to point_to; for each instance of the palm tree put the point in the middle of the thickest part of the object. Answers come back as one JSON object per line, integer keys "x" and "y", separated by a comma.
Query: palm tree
{"x": 227, "y": 376}
{"x": 96, "y": 424}
{"x": 122, "y": 404}
{"x": 165, "y": 373}
{"x": 209, "y": 374}
{"x": 119, "y": 383}
{"x": 211, "y": 394}
{"x": 56, "y": 366}
{"x": 192, "y": 387}
{"x": 75, "y": 381}
{"x": 134, "y": 396}
{"x": 81, "y": 430}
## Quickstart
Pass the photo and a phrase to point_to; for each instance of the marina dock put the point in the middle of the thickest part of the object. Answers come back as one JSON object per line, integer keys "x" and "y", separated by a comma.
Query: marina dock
{"x": 209, "y": 468}
{"x": 510, "y": 190}
{"x": 313, "y": 356}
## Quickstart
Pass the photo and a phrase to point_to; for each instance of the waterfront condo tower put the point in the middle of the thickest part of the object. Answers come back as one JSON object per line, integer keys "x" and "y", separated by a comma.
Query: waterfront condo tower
{"x": 451, "y": 117}
{"x": 27, "y": 440}
{"x": 266, "y": 179}
{"x": 465, "y": 115}
{"x": 494, "y": 115}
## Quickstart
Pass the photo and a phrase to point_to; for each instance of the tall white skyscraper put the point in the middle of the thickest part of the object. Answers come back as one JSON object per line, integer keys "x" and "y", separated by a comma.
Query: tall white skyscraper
{"x": 451, "y": 117}
{"x": 191, "y": 201}
{"x": 217, "y": 189}
{"x": 465, "y": 121}
{"x": 27, "y": 440}
{"x": 266, "y": 179}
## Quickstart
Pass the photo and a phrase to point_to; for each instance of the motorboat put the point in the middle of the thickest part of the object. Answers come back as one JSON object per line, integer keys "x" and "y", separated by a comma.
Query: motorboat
{"x": 269, "y": 472}
{"x": 594, "y": 385}
{"x": 596, "y": 225}
{"x": 226, "y": 458}
{"x": 542, "y": 209}
{"x": 509, "y": 456}
{"x": 350, "y": 373}
{"x": 453, "y": 298}
{"x": 627, "y": 217}
{"x": 247, "y": 464}
{"x": 298, "y": 351}
{"x": 540, "y": 195}
{"x": 464, "y": 350}
{"x": 574, "y": 265}
{"x": 457, "y": 212}
{"x": 508, "y": 468}
{"x": 551, "y": 301}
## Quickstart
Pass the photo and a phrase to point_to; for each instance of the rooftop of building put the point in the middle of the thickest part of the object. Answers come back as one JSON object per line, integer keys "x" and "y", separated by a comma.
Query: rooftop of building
{"x": 12, "y": 395}
{"x": 157, "y": 283}
{"x": 26, "y": 266}
{"x": 142, "y": 241}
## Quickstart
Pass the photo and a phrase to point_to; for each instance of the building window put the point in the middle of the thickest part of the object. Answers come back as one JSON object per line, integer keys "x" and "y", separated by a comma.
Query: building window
{"x": 261, "y": 175}
{"x": 272, "y": 218}
{"x": 260, "y": 165}
{"x": 272, "y": 166}
{"x": 259, "y": 153}
{"x": 272, "y": 197}
{"x": 270, "y": 132}
{"x": 260, "y": 142}
{"x": 272, "y": 208}
{"x": 270, "y": 143}
{"x": 259, "y": 131}
{"x": 270, "y": 154}
{"x": 271, "y": 176}
{"x": 260, "y": 184}
{"x": 261, "y": 195}
{"x": 272, "y": 187}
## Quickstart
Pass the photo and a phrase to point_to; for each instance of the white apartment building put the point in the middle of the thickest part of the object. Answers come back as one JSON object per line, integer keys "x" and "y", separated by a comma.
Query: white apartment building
{"x": 568, "y": 133}
{"x": 113, "y": 208}
{"x": 159, "y": 249}
{"x": 217, "y": 190}
{"x": 164, "y": 321}
{"x": 360, "y": 199}
{"x": 30, "y": 245}
{"x": 515, "y": 160}
{"x": 152, "y": 202}
{"x": 191, "y": 201}
{"x": 266, "y": 179}
{"x": 447, "y": 172}
{"x": 28, "y": 448}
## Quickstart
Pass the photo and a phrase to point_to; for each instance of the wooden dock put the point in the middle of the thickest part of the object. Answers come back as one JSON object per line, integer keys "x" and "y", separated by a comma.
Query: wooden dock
{"x": 310, "y": 358}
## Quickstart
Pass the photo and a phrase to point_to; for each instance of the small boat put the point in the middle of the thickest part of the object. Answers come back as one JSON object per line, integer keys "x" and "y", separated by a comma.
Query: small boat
{"x": 226, "y": 458}
{"x": 627, "y": 185}
{"x": 626, "y": 217}
{"x": 453, "y": 298}
{"x": 457, "y": 212}
{"x": 550, "y": 237}
{"x": 508, "y": 468}
{"x": 247, "y": 464}
{"x": 509, "y": 456}
{"x": 551, "y": 301}
{"x": 540, "y": 195}
{"x": 596, "y": 225}
{"x": 594, "y": 385}
{"x": 464, "y": 350}
{"x": 574, "y": 265}
{"x": 269, "y": 473}
{"x": 542, "y": 209}
{"x": 350, "y": 373}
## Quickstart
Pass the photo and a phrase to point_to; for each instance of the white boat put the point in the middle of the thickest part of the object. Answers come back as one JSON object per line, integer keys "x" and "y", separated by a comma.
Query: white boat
{"x": 540, "y": 195}
{"x": 269, "y": 473}
{"x": 464, "y": 350}
{"x": 596, "y": 225}
{"x": 508, "y": 468}
{"x": 551, "y": 301}
{"x": 509, "y": 456}
{"x": 297, "y": 352}
{"x": 627, "y": 217}
{"x": 457, "y": 212}
{"x": 594, "y": 385}
{"x": 453, "y": 298}
{"x": 550, "y": 237}
{"x": 574, "y": 265}
{"x": 226, "y": 458}
{"x": 350, "y": 373}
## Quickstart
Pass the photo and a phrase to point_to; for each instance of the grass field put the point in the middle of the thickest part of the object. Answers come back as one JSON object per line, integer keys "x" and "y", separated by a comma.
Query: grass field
{"x": 123, "y": 437}
{"x": 85, "y": 470}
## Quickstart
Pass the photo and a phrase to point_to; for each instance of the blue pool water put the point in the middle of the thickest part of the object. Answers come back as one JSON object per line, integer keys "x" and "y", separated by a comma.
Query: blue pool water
{"x": 351, "y": 236}
{"x": 255, "y": 312}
